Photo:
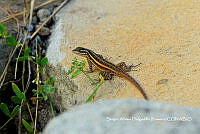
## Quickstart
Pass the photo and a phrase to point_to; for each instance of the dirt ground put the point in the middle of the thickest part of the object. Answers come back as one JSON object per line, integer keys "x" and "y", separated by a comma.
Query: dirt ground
{"x": 15, "y": 6}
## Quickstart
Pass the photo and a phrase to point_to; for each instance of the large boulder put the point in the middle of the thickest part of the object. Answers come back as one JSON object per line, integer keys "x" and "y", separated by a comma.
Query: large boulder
{"x": 126, "y": 117}
{"x": 163, "y": 35}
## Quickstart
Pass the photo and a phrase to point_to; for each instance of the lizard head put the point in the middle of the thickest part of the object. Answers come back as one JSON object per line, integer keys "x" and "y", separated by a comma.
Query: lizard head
{"x": 80, "y": 51}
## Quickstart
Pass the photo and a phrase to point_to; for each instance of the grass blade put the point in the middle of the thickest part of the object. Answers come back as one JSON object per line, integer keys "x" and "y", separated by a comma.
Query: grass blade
{"x": 26, "y": 52}
{"x": 96, "y": 89}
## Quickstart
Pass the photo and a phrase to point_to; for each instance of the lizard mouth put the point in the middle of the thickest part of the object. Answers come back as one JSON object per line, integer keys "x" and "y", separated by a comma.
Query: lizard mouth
{"x": 76, "y": 52}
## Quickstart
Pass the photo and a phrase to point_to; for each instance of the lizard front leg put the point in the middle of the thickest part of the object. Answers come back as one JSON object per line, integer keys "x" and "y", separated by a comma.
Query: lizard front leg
{"x": 90, "y": 66}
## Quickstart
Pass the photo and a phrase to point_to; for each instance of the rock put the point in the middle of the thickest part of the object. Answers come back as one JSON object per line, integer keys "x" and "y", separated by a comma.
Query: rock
{"x": 35, "y": 20}
{"x": 29, "y": 28}
{"x": 44, "y": 31}
{"x": 43, "y": 14}
{"x": 162, "y": 35}
{"x": 4, "y": 55}
{"x": 126, "y": 117}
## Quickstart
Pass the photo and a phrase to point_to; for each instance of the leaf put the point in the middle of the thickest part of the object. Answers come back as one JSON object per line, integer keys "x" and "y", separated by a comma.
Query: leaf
{"x": 4, "y": 109}
{"x": 22, "y": 58}
{"x": 19, "y": 44}
{"x": 15, "y": 111}
{"x": 2, "y": 29}
{"x": 39, "y": 91}
{"x": 48, "y": 89}
{"x": 73, "y": 67}
{"x": 76, "y": 73}
{"x": 30, "y": 57}
{"x": 11, "y": 41}
{"x": 50, "y": 81}
{"x": 44, "y": 61}
{"x": 18, "y": 92}
{"x": 9, "y": 44}
{"x": 81, "y": 65}
{"x": 16, "y": 99}
{"x": 34, "y": 92}
{"x": 27, "y": 126}
{"x": 26, "y": 52}
{"x": 45, "y": 97}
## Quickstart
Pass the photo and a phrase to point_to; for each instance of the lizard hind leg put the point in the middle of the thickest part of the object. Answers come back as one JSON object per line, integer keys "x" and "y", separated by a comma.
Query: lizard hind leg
{"x": 106, "y": 75}
{"x": 127, "y": 68}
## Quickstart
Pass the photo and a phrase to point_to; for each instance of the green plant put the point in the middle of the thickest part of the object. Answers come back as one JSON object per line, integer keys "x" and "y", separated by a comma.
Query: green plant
{"x": 46, "y": 89}
{"x": 10, "y": 41}
{"x": 5, "y": 110}
{"x": 18, "y": 98}
{"x": 43, "y": 90}
{"x": 76, "y": 69}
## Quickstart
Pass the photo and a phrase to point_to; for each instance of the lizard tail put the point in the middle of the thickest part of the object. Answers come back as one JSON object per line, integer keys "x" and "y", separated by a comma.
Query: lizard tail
{"x": 135, "y": 83}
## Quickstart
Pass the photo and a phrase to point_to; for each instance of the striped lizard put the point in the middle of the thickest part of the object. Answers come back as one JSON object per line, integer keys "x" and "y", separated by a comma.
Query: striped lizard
{"x": 107, "y": 68}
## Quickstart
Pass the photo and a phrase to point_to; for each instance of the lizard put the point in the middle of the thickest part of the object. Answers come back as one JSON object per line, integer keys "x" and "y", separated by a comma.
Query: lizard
{"x": 107, "y": 68}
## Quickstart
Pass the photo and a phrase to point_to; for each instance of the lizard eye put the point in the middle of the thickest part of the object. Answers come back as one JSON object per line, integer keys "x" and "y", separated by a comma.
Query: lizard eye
{"x": 83, "y": 52}
{"x": 80, "y": 51}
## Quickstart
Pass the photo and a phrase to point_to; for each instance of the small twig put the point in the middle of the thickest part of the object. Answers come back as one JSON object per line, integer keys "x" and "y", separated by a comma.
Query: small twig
{"x": 56, "y": 10}
{"x": 10, "y": 57}
{"x": 29, "y": 77}
{"x": 24, "y": 41}
{"x": 21, "y": 13}
{"x": 51, "y": 106}
{"x": 20, "y": 117}
{"x": 46, "y": 3}
{"x": 6, "y": 123}
{"x": 17, "y": 21}
{"x": 12, "y": 81}
{"x": 31, "y": 11}
{"x": 10, "y": 17}
{"x": 24, "y": 14}
{"x": 37, "y": 83}
{"x": 29, "y": 68}
{"x": 4, "y": 76}
{"x": 16, "y": 65}
{"x": 11, "y": 10}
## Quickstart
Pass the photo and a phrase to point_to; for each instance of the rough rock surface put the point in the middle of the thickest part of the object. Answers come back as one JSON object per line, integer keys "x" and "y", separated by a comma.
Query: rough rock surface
{"x": 126, "y": 117}
{"x": 163, "y": 35}
{"x": 4, "y": 54}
